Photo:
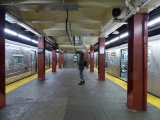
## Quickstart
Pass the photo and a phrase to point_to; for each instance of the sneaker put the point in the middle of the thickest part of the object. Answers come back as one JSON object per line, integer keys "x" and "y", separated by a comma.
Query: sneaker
{"x": 81, "y": 83}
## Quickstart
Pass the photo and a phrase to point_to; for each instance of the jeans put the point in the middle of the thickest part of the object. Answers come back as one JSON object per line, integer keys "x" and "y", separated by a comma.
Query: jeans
{"x": 81, "y": 74}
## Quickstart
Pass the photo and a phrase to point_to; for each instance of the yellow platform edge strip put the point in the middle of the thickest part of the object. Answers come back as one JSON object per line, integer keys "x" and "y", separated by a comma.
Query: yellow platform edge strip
{"x": 150, "y": 98}
{"x": 21, "y": 82}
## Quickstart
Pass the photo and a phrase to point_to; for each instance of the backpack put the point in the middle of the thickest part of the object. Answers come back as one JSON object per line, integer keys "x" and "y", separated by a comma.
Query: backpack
{"x": 85, "y": 63}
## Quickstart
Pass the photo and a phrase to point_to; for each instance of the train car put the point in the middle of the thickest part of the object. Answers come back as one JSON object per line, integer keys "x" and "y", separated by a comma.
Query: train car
{"x": 117, "y": 62}
{"x": 21, "y": 60}
{"x": 96, "y": 59}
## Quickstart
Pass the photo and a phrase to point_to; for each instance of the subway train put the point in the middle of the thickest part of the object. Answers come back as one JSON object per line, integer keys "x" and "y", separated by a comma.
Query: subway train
{"x": 21, "y": 61}
{"x": 117, "y": 61}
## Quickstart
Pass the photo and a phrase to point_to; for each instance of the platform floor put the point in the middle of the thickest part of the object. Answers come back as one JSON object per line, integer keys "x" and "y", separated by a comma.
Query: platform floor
{"x": 60, "y": 97}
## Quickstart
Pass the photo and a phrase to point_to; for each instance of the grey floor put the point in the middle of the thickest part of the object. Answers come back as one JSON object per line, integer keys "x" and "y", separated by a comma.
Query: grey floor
{"x": 60, "y": 97}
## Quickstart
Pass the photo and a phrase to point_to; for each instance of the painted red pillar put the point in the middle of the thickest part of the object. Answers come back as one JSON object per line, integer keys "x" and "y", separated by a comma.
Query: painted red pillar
{"x": 41, "y": 58}
{"x": 101, "y": 58}
{"x": 2, "y": 60}
{"x": 137, "y": 62}
{"x": 87, "y": 53}
{"x": 60, "y": 60}
{"x": 54, "y": 60}
{"x": 91, "y": 58}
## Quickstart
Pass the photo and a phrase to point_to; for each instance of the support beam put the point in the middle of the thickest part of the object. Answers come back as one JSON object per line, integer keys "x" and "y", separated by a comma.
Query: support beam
{"x": 54, "y": 60}
{"x": 41, "y": 58}
{"x": 60, "y": 59}
{"x": 2, "y": 60}
{"x": 92, "y": 58}
{"x": 101, "y": 58}
{"x": 137, "y": 62}
{"x": 87, "y": 53}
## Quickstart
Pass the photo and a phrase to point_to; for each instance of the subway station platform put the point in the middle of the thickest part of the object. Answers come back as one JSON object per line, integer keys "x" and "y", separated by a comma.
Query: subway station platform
{"x": 60, "y": 97}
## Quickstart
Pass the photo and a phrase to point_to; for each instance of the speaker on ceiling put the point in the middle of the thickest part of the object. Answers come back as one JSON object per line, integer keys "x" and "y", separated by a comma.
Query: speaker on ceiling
{"x": 116, "y": 12}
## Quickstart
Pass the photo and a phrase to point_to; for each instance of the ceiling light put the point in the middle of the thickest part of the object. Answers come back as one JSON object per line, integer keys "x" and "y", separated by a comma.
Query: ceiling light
{"x": 24, "y": 37}
{"x": 115, "y": 39}
{"x": 10, "y": 32}
{"x": 107, "y": 43}
{"x": 115, "y": 32}
{"x": 10, "y": 18}
{"x": 34, "y": 41}
{"x": 153, "y": 21}
{"x": 28, "y": 28}
{"x": 124, "y": 35}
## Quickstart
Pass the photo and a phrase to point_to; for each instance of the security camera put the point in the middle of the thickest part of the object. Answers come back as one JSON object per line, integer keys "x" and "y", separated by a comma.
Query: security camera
{"x": 116, "y": 12}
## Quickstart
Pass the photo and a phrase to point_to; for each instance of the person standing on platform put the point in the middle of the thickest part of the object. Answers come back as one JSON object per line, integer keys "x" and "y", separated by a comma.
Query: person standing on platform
{"x": 81, "y": 68}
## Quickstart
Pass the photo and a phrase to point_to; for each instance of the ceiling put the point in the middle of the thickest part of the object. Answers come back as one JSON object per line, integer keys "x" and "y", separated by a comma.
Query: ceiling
{"x": 89, "y": 19}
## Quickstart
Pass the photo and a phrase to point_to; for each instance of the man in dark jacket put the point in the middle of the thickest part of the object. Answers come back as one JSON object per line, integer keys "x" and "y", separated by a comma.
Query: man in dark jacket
{"x": 81, "y": 68}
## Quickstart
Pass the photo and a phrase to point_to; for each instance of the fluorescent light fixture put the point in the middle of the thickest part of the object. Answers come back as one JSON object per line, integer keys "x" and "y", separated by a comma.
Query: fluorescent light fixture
{"x": 10, "y": 32}
{"x": 107, "y": 43}
{"x": 153, "y": 21}
{"x": 115, "y": 39}
{"x": 28, "y": 28}
{"x": 124, "y": 35}
{"x": 116, "y": 32}
{"x": 107, "y": 25}
{"x": 24, "y": 37}
{"x": 34, "y": 41}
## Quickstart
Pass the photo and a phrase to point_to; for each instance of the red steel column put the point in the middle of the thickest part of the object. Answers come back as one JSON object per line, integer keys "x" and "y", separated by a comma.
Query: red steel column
{"x": 137, "y": 62}
{"x": 41, "y": 58}
{"x": 2, "y": 60}
{"x": 101, "y": 58}
{"x": 91, "y": 58}
{"x": 60, "y": 60}
{"x": 54, "y": 60}
{"x": 87, "y": 53}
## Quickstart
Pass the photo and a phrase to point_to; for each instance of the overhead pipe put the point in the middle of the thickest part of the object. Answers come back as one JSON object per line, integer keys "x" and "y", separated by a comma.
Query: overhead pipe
{"x": 132, "y": 10}
{"x": 74, "y": 47}
{"x": 71, "y": 46}
{"x": 107, "y": 25}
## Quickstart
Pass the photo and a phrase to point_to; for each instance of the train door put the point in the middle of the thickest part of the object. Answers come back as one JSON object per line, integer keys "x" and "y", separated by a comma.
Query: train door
{"x": 76, "y": 59}
{"x": 33, "y": 62}
{"x": 106, "y": 62}
{"x": 124, "y": 64}
{"x": 49, "y": 60}
{"x": 97, "y": 60}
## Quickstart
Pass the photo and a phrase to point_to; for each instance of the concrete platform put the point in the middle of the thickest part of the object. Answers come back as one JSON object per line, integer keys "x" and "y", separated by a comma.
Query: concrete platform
{"x": 60, "y": 97}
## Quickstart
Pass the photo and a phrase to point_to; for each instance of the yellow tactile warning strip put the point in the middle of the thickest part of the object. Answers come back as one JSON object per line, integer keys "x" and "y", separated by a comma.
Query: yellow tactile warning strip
{"x": 150, "y": 98}
{"x": 19, "y": 83}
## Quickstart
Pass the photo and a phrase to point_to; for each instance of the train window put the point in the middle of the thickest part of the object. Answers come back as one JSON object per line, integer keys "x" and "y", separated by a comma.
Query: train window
{"x": 112, "y": 57}
{"x": 106, "y": 55}
{"x": 17, "y": 56}
{"x": 76, "y": 57}
{"x": 17, "y": 59}
{"x": 106, "y": 63}
{"x": 124, "y": 57}
{"x": 124, "y": 63}
{"x": 149, "y": 57}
